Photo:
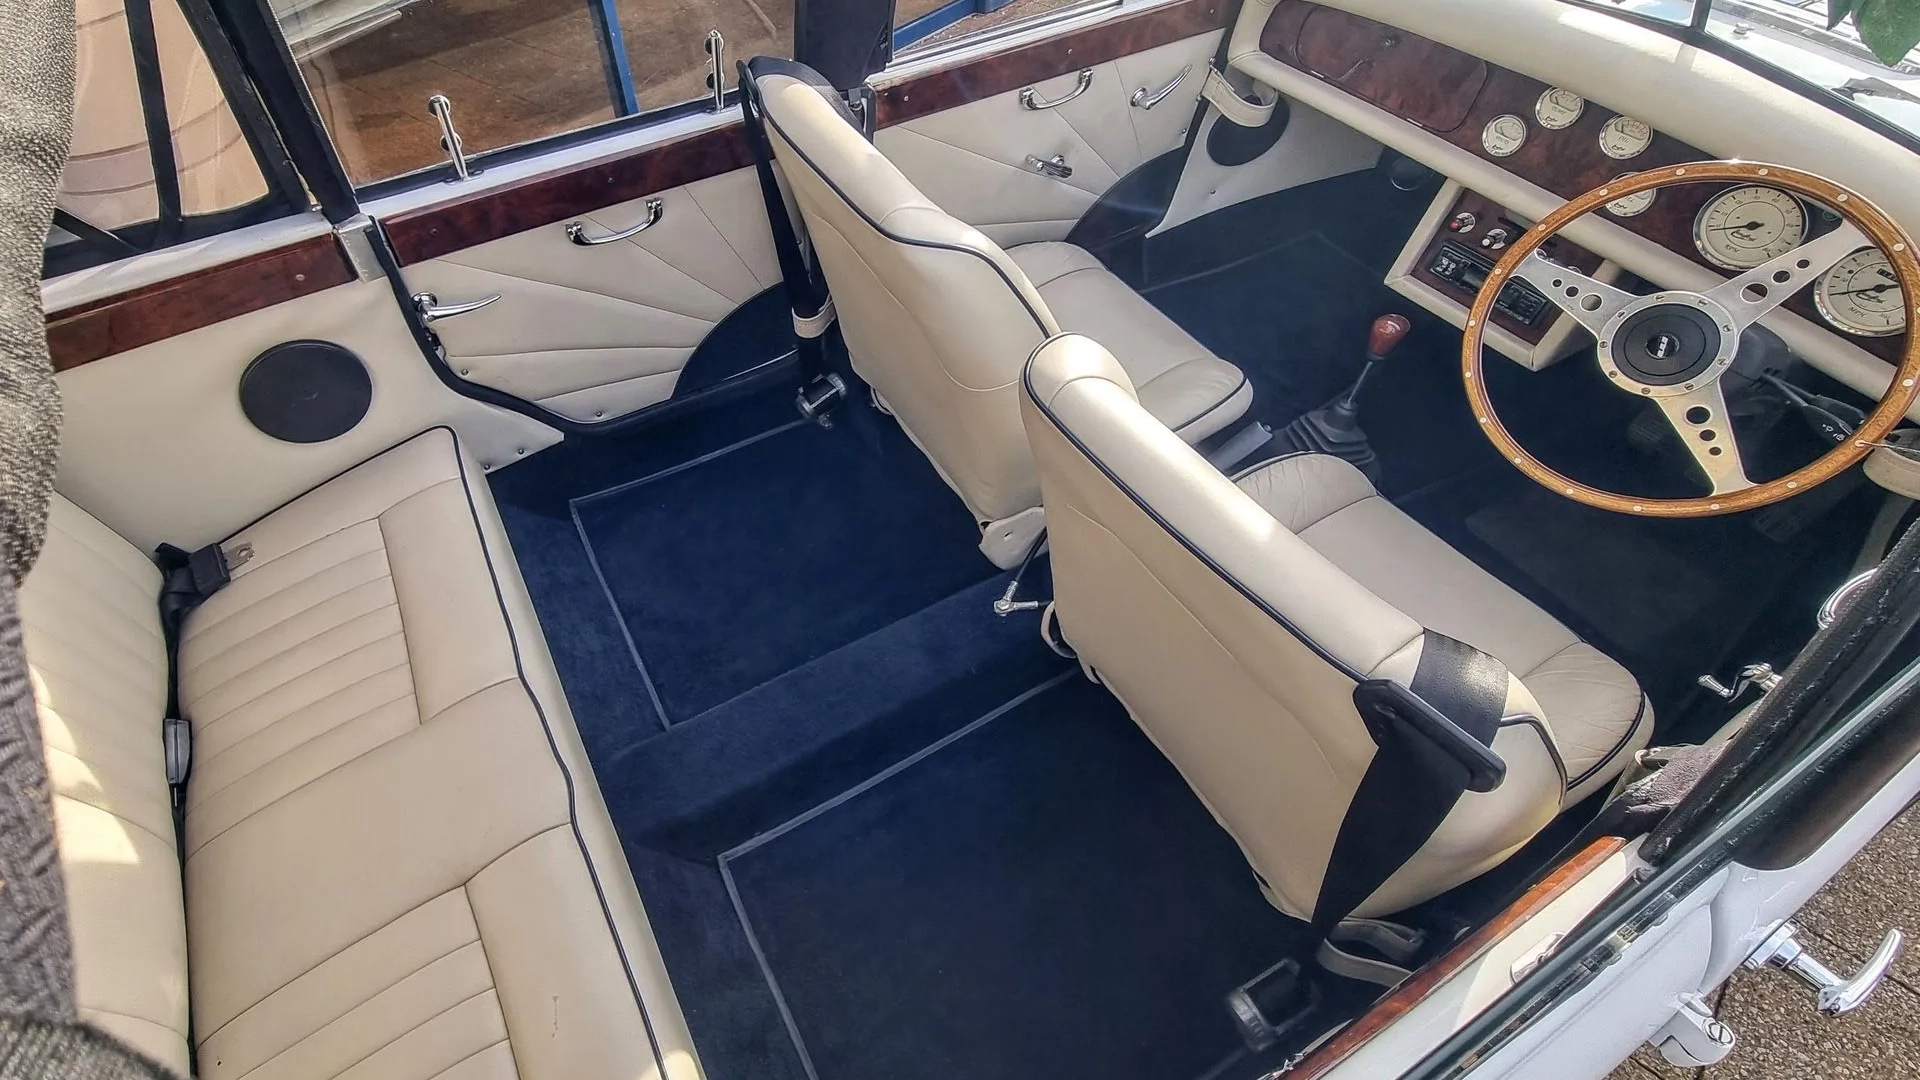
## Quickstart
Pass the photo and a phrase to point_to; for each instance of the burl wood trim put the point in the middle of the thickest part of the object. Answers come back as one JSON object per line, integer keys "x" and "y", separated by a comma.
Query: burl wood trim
{"x": 156, "y": 312}
{"x": 427, "y": 233}
{"x": 1404, "y": 997}
{"x": 1880, "y": 229}
{"x": 1416, "y": 78}
{"x": 1038, "y": 61}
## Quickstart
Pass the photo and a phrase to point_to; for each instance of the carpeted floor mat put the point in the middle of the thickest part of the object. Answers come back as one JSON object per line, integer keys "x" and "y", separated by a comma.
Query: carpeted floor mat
{"x": 718, "y": 588}
{"x": 1040, "y": 895}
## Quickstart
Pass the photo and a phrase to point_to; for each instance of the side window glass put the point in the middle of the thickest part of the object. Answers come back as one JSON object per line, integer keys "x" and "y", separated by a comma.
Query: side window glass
{"x": 923, "y": 24}
{"x": 515, "y": 71}
{"x": 123, "y": 192}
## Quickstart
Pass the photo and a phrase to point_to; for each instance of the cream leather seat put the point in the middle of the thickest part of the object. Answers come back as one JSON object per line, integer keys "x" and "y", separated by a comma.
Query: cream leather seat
{"x": 1235, "y": 620}
{"x": 397, "y": 860}
{"x": 939, "y": 319}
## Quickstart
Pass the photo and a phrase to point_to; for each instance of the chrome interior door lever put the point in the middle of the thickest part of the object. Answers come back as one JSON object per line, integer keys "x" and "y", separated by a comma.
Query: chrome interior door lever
{"x": 577, "y": 230}
{"x": 1144, "y": 98}
{"x": 1055, "y": 166}
{"x": 430, "y": 308}
{"x": 1029, "y": 100}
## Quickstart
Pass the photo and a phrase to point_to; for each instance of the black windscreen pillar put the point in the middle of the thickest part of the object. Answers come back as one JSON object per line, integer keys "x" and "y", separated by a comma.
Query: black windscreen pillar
{"x": 844, "y": 40}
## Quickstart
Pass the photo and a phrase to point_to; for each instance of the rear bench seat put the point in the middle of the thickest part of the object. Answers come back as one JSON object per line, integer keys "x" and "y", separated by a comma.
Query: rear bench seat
{"x": 398, "y": 862}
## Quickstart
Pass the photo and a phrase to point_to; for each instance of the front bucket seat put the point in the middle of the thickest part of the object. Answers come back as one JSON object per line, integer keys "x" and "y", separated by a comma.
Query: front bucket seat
{"x": 1245, "y": 623}
{"x": 940, "y": 320}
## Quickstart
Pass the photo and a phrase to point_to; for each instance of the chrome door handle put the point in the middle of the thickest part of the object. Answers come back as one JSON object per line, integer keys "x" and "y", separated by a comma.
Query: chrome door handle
{"x": 1055, "y": 166}
{"x": 430, "y": 308}
{"x": 1028, "y": 100}
{"x": 1832, "y": 995}
{"x": 577, "y": 230}
{"x": 1144, "y": 98}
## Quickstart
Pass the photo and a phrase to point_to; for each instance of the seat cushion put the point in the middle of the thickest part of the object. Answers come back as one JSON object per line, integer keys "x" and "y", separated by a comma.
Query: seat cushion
{"x": 99, "y": 668}
{"x": 1177, "y": 379}
{"x": 398, "y": 860}
{"x": 1592, "y": 705}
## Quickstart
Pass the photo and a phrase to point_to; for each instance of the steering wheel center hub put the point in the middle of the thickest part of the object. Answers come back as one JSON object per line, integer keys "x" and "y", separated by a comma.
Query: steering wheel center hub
{"x": 1670, "y": 342}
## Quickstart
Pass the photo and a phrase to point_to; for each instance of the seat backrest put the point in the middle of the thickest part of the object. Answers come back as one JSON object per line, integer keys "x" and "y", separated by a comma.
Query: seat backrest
{"x": 1236, "y": 646}
{"x": 935, "y": 315}
{"x": 99, "y": 667}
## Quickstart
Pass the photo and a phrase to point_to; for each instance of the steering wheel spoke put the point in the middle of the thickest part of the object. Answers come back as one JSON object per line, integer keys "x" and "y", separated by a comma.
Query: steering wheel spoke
{"x": 1750, "y": 296}
{"x": 1590, "y": 301}
{"x": 1699, "y": 416}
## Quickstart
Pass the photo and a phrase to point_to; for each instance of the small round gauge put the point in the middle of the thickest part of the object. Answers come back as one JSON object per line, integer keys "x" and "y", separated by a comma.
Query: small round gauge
{"x": 1861, "y": 295}
{"x": 1503, "y": 135}
{"x": 1558, "y": 109}
{"x": 1623, "y": 137}
{"x": 1742, "y": 227}
{"x": 1631, "y": 205}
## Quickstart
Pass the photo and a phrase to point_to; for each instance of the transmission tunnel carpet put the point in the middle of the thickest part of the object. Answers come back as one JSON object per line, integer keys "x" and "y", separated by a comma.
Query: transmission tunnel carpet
{"x": 1037, "y": 895}
{"x": 749, "y": 562}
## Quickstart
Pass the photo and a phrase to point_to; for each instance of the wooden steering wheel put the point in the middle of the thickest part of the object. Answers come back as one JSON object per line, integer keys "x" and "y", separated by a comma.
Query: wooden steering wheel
{"x": 1673, "y": 347}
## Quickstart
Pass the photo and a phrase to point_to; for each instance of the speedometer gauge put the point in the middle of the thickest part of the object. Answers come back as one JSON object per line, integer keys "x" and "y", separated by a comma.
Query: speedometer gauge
{"x": 1504, "y": 135}
{"x": 1558, "y": 109}
{"x": 1861, "y": 295}
{"x": 1624, "y": 137}
{"x": 1743, "y": 227}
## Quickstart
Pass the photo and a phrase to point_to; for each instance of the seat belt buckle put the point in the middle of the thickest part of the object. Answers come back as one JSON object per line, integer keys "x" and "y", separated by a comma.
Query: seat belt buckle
{"x": 176, "y": 740}
{"x": 209, "y": 569}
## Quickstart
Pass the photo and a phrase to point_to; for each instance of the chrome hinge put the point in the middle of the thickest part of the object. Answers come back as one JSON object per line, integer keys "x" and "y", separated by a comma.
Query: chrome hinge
{"x": 1694, "y": 1037}
{"x": 356, "y": 239}
{"x": 442, "y": 110}
{"x": 717, "y": 68}
{"x": 1832, "y": 995}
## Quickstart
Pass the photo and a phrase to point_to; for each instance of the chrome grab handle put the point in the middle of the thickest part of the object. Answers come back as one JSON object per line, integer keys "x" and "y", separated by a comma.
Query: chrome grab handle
{"x": 1028, "y": 100}
{"x": 1144, "y": 98}
{"x": 1055, "y": 166}
{"x": 577, "y": 230}
{"x": 1830, "y": 610}
{"x": 1832, "y": 995}
{"x": 430, "y": 308}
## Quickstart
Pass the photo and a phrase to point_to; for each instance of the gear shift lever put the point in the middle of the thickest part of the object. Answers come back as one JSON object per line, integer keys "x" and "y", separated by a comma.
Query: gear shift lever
{"x": 1334, "y": 428}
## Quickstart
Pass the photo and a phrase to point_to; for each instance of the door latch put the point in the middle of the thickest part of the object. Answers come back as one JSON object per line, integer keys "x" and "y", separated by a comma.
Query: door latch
{"x": 1760, "y": 675}
{"x": 1832, "y": 995}
{"x": 1055, "y": 166}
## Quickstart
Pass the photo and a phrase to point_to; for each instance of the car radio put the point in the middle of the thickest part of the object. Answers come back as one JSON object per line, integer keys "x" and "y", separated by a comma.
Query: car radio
{"x": 1468, "y": 269}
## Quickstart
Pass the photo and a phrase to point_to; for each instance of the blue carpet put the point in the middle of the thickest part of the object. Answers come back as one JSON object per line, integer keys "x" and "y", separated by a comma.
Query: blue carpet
{"x": 734, "y": 568}
{"x": 1040, "y": 896}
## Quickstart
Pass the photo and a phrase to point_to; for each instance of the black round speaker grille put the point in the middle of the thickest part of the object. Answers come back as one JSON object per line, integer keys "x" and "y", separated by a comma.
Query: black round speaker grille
{"x": 306, "y": 391}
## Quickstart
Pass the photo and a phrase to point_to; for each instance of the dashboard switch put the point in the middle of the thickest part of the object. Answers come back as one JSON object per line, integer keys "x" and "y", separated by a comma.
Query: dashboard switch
{"x": 1462, "y": 222}
{"x": 1496, "y": 238}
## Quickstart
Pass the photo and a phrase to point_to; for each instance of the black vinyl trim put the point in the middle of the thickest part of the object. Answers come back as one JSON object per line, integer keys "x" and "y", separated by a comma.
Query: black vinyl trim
{"x": 841, "y": 108}
{"x": 244, "y": 101}
{"x": 265, "y": 57}
{"x": 153, "y": 110}
{"x": 520, "y": 672}
{"x": 103, "y": 241}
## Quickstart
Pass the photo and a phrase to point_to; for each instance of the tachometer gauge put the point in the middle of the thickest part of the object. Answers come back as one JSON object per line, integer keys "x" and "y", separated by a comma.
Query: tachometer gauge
{"x": 1503, "y": 135}
{"x": 1743, "y": 227}
{"x": 1624, "y": 137}
{"x": 1558, "y": 109}
{"x": 1861, "y": 295}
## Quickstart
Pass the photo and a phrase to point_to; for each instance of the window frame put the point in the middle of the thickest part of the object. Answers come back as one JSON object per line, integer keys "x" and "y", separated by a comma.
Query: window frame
{"x": 285, "y": 196}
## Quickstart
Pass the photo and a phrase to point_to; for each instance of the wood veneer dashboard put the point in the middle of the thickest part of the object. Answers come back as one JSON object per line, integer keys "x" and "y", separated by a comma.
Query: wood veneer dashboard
{"x": 1454, "y": 95}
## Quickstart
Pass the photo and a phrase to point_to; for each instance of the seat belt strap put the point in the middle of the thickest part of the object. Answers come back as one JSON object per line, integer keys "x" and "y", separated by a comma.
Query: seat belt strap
{"x": 806, "y": 290}
{"x": 187, "y": 579}
{"x": 1415, "y": 778}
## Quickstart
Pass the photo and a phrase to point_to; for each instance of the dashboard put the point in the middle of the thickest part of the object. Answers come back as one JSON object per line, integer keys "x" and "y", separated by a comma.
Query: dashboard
{"x": 1558, "y": 140}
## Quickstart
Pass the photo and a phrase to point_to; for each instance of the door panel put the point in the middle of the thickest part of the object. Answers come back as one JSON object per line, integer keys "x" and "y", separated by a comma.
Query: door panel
{"x": 972, "y": 159}
{"x": 595, "y": 332}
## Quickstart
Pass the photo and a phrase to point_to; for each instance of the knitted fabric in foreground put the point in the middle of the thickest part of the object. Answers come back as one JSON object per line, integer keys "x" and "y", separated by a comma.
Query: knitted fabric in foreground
{"x": 36, "y": 125}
